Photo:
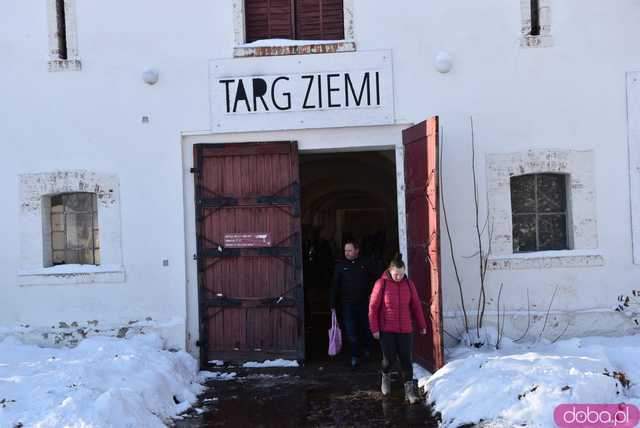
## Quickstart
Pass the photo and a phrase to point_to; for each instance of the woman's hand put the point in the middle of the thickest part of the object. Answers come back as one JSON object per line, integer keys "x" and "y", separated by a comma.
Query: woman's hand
{"x": 376, "y": 335}
{"x": 423, "y": 331}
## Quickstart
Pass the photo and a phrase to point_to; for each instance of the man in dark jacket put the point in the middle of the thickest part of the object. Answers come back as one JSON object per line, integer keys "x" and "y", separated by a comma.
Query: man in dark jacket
{"x": 352, "y": 281}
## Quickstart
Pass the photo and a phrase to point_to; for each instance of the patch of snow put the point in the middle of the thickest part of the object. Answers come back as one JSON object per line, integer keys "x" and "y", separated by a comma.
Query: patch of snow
{"x": 421, "y": 374}
{"x": 288, "y": 42}
{"x": 102, "y": 382}
{"x": 271, "y": 363}
{"x": 521, "y": 384}
{"x": 71, "y": 268}
{"x": 216, "y": 362}
{"x": 266, "y": 376}
{"x": 204, "y": 376}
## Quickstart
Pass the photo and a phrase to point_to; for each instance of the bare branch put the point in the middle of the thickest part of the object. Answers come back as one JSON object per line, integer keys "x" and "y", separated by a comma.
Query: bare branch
{"x": 499, "y": 338}
{"x": 457, "y": 338}
{"x": 482, "y": 296}
{"x": 563, "y": 332}
{"x": 546, "y": 317}
{"x": 528, "y": 319}
{"x": 502, "y": 330}
{"x": 472, "y": 256}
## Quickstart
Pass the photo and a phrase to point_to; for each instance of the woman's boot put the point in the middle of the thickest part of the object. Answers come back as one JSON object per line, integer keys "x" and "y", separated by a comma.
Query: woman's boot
{"x": 410, "y": 392}
{"x": 386, "y": 384}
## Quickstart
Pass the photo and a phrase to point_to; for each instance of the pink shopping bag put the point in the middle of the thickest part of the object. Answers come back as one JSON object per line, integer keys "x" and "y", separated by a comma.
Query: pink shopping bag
{"x": 335, "y": 336}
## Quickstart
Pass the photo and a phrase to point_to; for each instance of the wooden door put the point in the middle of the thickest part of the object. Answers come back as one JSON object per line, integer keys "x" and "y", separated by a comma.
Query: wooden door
{"x": 249, "y": 251}
{"x": 423, "y": 234}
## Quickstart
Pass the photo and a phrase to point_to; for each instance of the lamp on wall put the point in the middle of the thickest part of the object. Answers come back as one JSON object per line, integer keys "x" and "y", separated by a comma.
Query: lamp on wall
{"x": 151, "y": 76}
{"x": 442, "y": 61}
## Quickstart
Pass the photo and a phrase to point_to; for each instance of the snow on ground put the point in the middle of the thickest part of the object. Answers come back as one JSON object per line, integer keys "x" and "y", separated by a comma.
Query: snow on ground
{"x": 420, "y": 372}
{"x": 522, "y": 384}
{"x": 103, "y": 382}
{"x": 271, "y": 363}
{"x": 205, "y": 376}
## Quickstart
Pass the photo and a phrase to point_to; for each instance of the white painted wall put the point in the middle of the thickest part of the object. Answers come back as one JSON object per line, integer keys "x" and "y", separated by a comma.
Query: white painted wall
{"x": 571, "y": 95}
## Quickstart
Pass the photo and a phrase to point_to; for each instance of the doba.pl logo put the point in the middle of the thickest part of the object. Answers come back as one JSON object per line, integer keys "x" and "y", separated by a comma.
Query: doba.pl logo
{"x": 596, "y": 415}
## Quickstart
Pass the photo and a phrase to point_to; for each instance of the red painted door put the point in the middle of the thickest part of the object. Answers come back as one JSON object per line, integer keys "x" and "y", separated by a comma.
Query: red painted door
{"x": 423, "y": 234}
{"x": 249, "y": 251}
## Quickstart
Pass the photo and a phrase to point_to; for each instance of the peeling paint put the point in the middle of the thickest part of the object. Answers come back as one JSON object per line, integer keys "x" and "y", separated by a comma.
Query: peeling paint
{"x": 70, "y": 334}
{"x": 302, "y": 49}
{"x": 35, "y": 186}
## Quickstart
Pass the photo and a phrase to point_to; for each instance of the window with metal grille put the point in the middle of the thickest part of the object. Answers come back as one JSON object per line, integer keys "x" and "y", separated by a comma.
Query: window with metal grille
{"x": 74, "y": 229}
{"x": 539, "y": 212}
{"x": 294, "y": 19}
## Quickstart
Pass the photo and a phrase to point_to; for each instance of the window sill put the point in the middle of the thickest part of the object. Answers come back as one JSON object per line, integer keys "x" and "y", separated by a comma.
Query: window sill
{"x": 72, "y": 274}
{"x": 547, "y": 260}
{"x": 527, "y": 41}
{"x": 281, "y": 47}
{"x": 65, "y": 65}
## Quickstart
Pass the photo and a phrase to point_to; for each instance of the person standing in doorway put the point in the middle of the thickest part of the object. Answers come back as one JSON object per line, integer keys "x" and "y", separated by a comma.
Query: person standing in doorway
{"x": 352, "y": 281}
{"x": 393, "y": 306}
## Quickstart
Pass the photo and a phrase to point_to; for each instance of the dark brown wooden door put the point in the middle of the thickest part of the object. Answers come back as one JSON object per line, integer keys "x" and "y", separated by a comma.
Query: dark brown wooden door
{"x": 249, "y": 251}
{"x": 423, "y": 234}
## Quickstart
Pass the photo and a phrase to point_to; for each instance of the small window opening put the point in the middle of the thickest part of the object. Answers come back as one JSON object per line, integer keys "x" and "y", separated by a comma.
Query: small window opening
{"x": 62, "y": 29}
{"x": 539, "y": 212}
{"x": 535, "y": 18}
{"x": 74, "y": 229}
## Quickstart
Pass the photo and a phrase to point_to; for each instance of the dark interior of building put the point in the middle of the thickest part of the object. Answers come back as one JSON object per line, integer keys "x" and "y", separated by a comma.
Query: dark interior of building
{"x": 344, "y": 195}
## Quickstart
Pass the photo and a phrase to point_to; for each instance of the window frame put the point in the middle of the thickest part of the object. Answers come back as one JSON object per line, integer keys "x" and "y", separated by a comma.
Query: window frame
{"x": 71, "y": 60}
{"x": 294, "y": 47}
{"x": 542, "y": 37}
{"x": 582, "y": 222}
{"x": 50, "y": 250}
{"x": 35, "y": 226}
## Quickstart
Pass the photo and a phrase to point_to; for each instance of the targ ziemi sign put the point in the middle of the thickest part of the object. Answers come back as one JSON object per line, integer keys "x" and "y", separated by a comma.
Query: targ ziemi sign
{"x": 301, "y": 91}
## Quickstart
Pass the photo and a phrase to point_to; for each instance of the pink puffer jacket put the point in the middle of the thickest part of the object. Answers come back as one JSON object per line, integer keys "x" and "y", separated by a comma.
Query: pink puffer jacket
{"x": 393, "y": 311}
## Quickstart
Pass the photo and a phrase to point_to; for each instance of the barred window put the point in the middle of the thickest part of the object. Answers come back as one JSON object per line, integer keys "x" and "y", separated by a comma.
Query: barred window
{"x": 74, "y": 229}
{"x": 539, "y": 212}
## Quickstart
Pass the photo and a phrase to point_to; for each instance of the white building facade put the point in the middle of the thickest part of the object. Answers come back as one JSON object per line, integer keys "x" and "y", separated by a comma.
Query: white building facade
{"x": 115, "y": 108}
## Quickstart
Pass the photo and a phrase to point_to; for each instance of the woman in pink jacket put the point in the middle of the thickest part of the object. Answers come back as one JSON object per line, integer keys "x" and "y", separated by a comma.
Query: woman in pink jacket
{"x": 394, "y": 303}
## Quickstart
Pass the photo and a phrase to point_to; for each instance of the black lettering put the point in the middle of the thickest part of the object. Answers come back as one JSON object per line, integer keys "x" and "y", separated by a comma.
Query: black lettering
{"x": 377, "y": 88}
{"x": 226, "y": 88}
{"x": 241, "y": 94}
{"x": 306, "y": 96}
{"x": 330, "y": 89}
{"x": 319, "y": 92}
{"x": 259, "y": 90}
{"x": 348, "y": 87}
{"x": 286, "y": 94}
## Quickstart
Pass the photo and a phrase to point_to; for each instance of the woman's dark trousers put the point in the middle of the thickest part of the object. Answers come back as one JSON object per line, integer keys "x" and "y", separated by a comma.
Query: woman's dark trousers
{"x": 397, "y": 345}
